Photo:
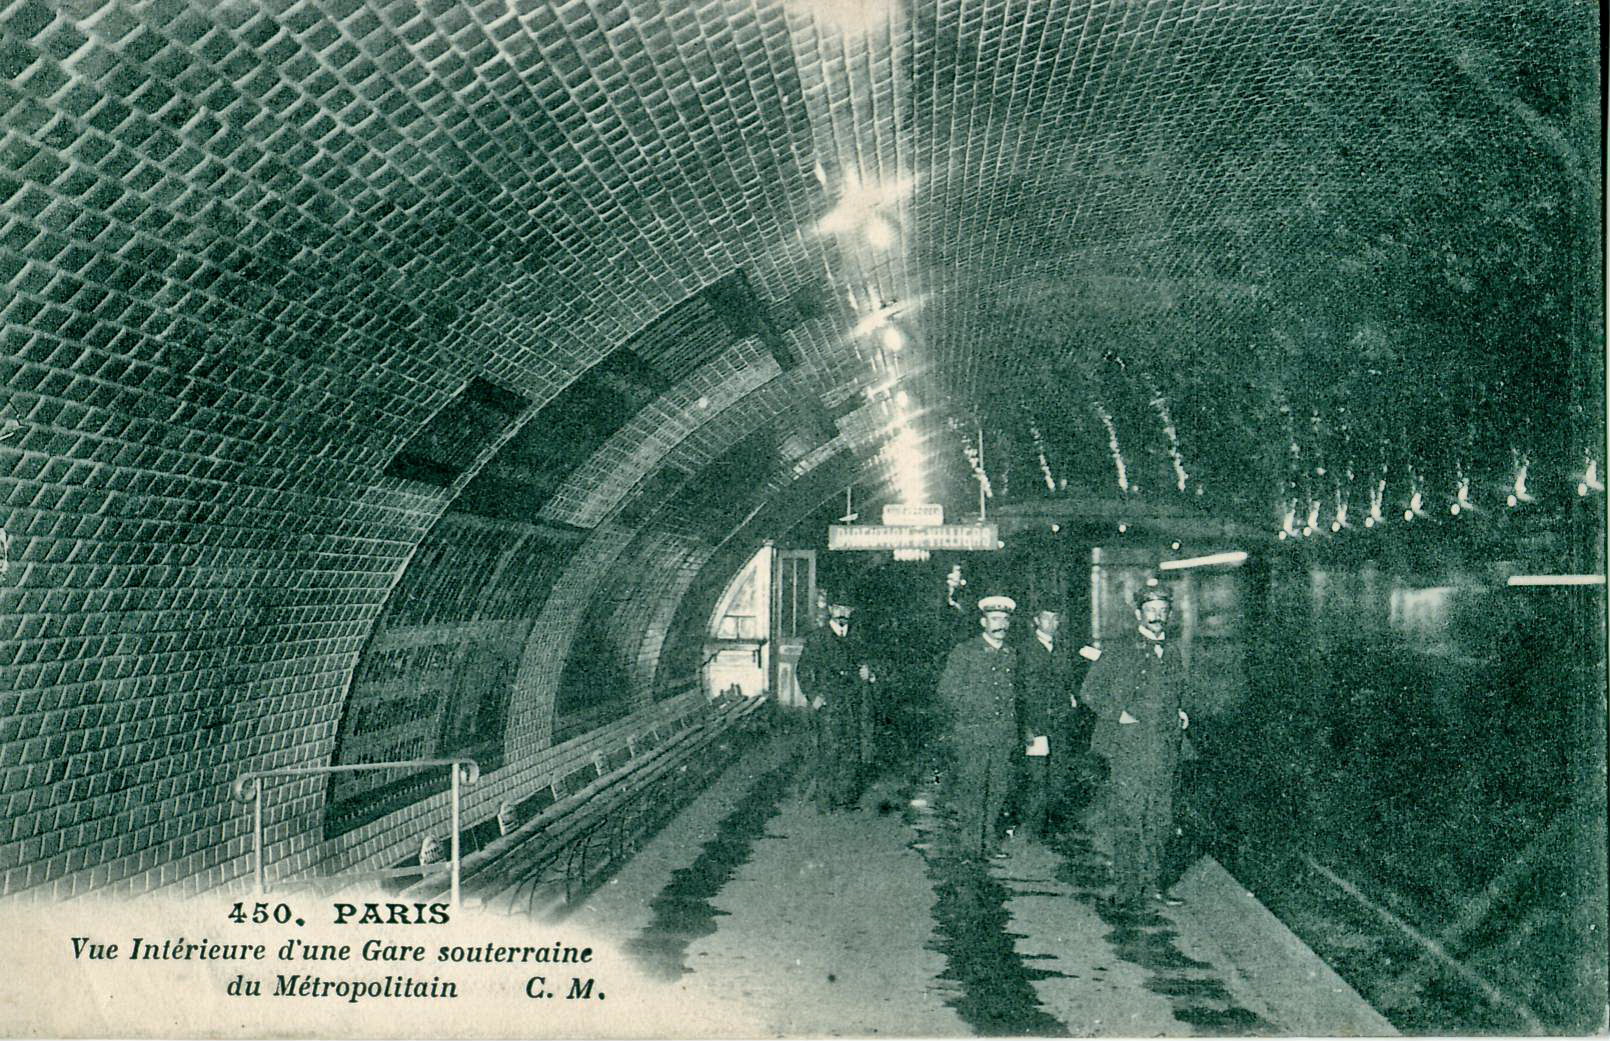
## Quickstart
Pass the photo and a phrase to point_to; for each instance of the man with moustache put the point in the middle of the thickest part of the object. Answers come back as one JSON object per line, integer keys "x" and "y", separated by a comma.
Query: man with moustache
{"x": 831, "y": 673}
{"x": 983, "y": 742}
{"x": 1135, "y": 689}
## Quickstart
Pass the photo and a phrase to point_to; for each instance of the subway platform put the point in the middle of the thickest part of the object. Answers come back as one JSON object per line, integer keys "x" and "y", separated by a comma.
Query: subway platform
{"x": 811, "y": 924}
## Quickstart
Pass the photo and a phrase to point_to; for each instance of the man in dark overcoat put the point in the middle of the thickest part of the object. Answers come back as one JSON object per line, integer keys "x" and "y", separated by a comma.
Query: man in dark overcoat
{"x": 1136, "y": 690}
{"x": 983, "y": 741}
{"x": 832, "y": 673}
{"x": 1044, "y": 705}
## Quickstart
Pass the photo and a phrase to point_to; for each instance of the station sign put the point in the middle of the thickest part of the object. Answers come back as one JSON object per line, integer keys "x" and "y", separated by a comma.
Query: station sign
{"x": 951, "y": 537}
{"x": 908, "y": 514}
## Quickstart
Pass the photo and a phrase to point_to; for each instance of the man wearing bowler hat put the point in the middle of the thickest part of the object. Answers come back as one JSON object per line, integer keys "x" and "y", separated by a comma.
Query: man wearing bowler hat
{"x": 1045, "y": 687}
{"x": 832, "y": 672}
{"x": 1136, "y": 689}
{"x": 983, "y": 744}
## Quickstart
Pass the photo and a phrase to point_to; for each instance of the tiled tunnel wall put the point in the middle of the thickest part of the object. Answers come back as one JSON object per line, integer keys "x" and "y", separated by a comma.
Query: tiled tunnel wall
{"x": 436, "y": 676}
{"x": 247, "y": 252}
{"x": 617, "y": 588}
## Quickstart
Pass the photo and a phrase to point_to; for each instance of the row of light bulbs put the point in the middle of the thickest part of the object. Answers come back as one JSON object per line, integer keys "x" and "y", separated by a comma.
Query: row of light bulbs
{"x": 1518, "y": 495}
{"x": 860, "y": 212}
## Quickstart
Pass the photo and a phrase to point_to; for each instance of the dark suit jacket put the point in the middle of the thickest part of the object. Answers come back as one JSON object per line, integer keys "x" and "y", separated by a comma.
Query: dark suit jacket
{"x": 1043, "y": 688}
{"x": 1131, "y": 678}
{"x": 828, "y": 667}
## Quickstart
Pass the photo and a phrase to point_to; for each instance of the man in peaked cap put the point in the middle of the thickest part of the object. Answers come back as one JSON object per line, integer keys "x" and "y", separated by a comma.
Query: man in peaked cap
{"x": 983, "y": 741}
{"x": 1136, "y": 689}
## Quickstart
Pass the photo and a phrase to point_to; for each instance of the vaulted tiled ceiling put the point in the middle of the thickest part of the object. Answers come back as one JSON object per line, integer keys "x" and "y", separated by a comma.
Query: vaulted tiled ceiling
{"x": 1225, "y": 241}
{"x": 308, "y": 310}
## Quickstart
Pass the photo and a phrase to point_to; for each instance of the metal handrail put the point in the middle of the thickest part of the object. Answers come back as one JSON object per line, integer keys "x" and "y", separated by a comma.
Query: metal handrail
{"x": 463, "y": 771}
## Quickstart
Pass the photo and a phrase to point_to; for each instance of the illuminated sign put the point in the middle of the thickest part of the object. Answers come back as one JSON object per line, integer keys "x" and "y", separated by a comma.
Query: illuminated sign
{"x": 908, "y": 514}
{"x": 1234, "y": 556}
{"x": 973, "y": 537}
{"x": 1556, "y": 580}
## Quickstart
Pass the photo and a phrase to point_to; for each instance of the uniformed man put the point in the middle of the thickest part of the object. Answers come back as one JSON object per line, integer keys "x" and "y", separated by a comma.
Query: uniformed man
{"x": 983, "y": 740}
{"x": 1044, "y": 703}
{"x": 1136, "y": 690}
{"x": 832, "y": 672}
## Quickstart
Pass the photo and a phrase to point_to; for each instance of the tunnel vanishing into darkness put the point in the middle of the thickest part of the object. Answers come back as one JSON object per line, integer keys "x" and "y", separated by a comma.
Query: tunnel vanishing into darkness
{"x": 390, "y": 380}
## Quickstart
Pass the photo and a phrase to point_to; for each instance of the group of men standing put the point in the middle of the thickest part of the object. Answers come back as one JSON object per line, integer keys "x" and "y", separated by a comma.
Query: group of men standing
{"x": 1023, "y": 725}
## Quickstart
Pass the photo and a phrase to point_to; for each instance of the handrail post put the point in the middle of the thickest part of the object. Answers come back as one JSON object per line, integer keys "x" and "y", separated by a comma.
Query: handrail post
{"x": 257, "y": 836}
{"x": 455, "y": 768}
{"x": 465, "y": 771}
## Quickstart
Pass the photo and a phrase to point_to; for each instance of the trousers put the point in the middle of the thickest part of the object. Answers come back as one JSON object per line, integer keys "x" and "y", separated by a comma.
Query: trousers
{"x": 1140, "y": 816}
{"x": 838, "y": 758}
{"x": 980, "y": 781}
{"x": 1035, "y": 783}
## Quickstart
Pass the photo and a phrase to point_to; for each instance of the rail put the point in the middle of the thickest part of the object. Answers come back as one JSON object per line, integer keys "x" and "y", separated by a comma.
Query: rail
{"x": 248, "y": 788}
{"x": 570, "y": 840}
{"x": 1433, "y": 950}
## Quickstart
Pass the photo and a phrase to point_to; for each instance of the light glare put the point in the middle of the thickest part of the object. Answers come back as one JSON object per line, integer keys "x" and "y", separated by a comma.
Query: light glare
{"x": 1234, "y": 556}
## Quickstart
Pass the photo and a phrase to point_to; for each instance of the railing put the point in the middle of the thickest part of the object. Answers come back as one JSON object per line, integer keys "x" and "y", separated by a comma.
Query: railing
{"x": 248, "y": 787}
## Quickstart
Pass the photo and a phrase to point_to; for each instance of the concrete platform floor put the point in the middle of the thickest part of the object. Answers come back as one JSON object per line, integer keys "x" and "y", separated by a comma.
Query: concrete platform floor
{"x": 850, "y": 924}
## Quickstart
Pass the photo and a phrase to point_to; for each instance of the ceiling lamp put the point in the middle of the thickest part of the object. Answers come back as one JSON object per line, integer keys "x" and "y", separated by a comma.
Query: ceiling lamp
{"x": 847, "y": 17}
{"x": 879, "y": 233}
{"x": 905, "y": 457}
{"x": 1590, "y": 478}
{"x": 1520, "y": 493}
